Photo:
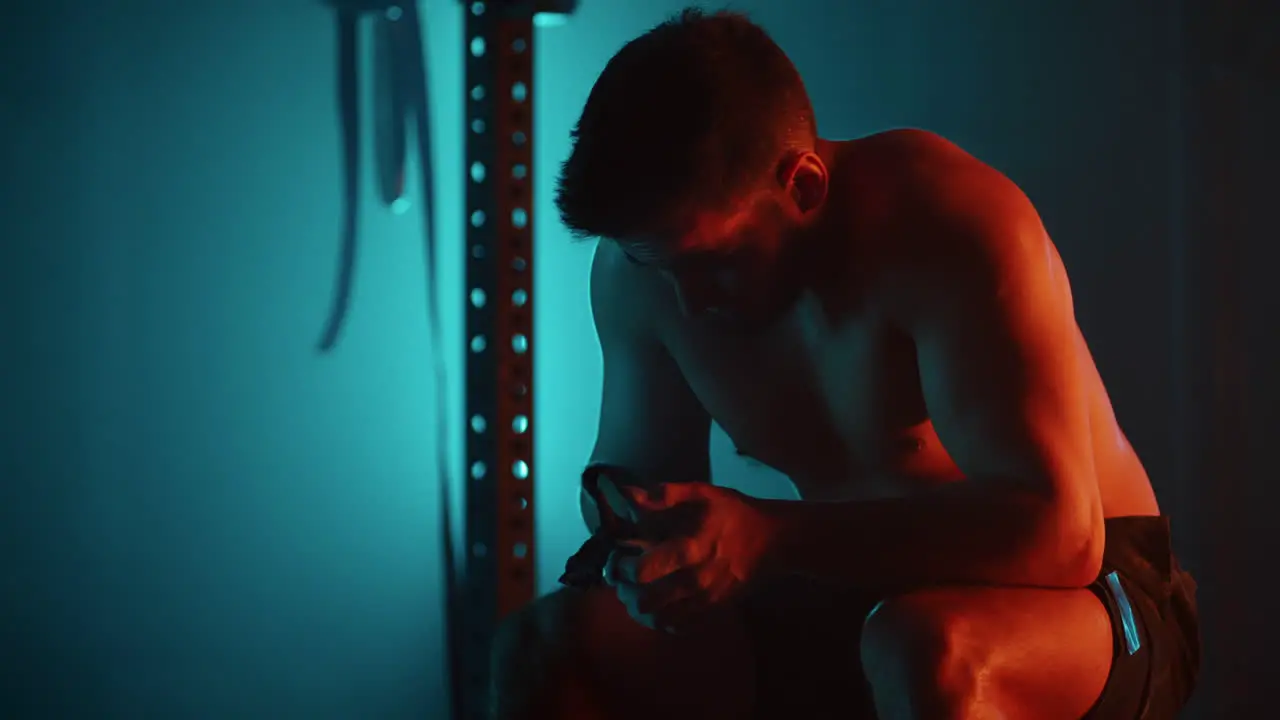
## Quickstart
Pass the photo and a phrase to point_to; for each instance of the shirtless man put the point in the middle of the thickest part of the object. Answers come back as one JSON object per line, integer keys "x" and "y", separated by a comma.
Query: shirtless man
{"x": 886, "y": 322}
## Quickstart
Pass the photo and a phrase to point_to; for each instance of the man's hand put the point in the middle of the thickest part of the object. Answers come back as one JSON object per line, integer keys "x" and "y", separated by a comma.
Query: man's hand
{"x": 700, "y": 547}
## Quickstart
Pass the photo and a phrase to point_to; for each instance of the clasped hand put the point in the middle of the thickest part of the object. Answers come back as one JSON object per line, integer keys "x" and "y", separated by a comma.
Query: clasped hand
{"x": 697, "y": 547}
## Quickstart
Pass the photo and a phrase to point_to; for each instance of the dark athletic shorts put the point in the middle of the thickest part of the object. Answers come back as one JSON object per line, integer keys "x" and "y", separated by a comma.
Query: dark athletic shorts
{"x": 806, "y": 635}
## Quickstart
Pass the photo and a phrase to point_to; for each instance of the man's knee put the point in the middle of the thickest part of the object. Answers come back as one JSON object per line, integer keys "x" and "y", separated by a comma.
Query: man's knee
{"x": 542, "y": 627}
{"x": 916, "y": 646}
{"x": 533, "y": 659}
{"x": 576, "y": 653}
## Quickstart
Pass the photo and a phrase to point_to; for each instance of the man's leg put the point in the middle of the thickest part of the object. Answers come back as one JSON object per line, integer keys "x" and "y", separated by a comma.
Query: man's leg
{"x": 1008, "y": 653}
{"x": 577, "y": 654}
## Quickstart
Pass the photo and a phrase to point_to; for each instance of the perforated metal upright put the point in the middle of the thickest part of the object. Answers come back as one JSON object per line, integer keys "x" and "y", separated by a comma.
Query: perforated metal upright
{"x": 499, "y": 323}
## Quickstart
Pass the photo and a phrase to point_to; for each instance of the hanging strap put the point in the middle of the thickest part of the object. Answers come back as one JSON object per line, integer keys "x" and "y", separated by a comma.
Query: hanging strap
{"x": 401, "y": 86}
{"x": 349, "y": 113}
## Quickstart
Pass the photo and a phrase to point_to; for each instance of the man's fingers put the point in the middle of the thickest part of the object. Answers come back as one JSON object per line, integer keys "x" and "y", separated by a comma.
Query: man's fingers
{"x": 666, "y": 591}
{"x": 668, "y": 617}
{"x": 657, "y": 561}
{"x": 668, "y": 604}
{"x": 680, "y": 601}
{"x": 629, "y": 596}
{"x": 620, "y": 566}
{"x": 619, "y": 503}
{"x": 630, "y": 501}
{"x": 660, "y": 496}
{"x": 656, "y": 512}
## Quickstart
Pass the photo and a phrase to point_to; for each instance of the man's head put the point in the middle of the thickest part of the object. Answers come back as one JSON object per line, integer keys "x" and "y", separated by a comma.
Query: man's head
{"x": 696, "y": 153}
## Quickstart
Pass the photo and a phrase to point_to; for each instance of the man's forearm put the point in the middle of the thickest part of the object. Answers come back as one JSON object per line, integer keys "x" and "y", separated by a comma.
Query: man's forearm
{"x": 958, "y": 534}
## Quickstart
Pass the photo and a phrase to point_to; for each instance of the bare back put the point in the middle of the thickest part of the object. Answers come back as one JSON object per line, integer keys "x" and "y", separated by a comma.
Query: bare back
{"x": 833, "y": 403}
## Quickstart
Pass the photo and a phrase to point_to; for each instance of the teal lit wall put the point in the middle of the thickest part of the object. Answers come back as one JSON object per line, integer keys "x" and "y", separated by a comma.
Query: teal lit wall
{"x": 202, "y": 519}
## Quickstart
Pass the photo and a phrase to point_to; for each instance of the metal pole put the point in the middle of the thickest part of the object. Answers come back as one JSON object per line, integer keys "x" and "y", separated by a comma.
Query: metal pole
{"x": 499, "y": 575}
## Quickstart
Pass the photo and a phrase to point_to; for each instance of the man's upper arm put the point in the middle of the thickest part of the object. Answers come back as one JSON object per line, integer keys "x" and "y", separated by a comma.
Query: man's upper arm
{"x": 651, "y": 423}
{"x": 999, "y": 364}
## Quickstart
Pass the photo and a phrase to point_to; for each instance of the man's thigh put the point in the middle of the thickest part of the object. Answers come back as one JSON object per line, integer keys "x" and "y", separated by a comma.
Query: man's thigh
{"x": 705, "y": 673}
{"x": 1020, "y": 652}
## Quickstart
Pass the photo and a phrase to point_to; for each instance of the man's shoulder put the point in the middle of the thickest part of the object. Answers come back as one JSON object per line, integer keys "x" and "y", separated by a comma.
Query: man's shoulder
{"x": 961, "y": 224}
{"x": 913, "y": 150}
{"x": 928, "y": 166}
{"x": 950, "y": 201}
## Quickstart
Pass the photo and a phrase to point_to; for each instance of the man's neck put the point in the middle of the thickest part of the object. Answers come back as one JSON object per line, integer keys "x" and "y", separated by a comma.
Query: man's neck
{"x": 833, "y": 240}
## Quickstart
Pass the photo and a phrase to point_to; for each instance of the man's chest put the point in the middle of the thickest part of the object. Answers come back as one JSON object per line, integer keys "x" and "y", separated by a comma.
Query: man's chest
{"x": 811, "y": 398}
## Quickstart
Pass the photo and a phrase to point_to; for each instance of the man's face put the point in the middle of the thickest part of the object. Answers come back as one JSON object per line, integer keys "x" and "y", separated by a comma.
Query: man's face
{"x": 740, "y": 268}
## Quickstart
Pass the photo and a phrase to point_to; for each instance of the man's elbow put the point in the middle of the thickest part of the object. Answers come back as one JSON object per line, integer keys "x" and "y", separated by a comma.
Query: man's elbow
{"x": 1091, "y": 545}
{"x": 1072, "y": 542}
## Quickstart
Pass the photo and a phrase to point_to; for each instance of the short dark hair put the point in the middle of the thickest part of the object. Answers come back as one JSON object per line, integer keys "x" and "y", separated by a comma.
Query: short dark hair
{"x": 693, "y": 114}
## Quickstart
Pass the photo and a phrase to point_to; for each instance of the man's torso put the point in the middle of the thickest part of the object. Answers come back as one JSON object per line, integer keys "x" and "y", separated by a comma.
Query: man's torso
{"x": 834, "y": 401}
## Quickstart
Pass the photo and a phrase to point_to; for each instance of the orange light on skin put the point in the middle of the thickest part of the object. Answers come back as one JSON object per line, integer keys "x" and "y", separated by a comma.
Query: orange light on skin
{"x": 705, "y": 233}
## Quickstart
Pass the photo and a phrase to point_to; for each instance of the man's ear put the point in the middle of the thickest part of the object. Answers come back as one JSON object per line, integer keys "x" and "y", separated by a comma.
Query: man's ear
{"x": 804, "y": 177}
